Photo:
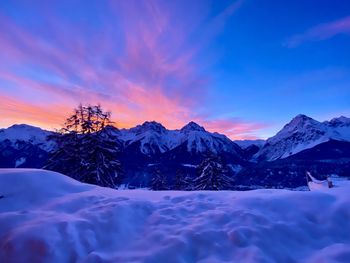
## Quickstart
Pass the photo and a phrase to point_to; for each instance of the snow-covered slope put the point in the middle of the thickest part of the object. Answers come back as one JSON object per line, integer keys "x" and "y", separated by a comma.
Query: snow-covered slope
{"x": 47, "y": 217}
{"x": 301, "y": 133}
{"x": 26, "y": 133}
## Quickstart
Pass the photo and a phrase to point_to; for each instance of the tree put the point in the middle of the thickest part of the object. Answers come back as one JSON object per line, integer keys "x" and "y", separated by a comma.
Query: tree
{"x": 86, "y": 148}
{"x": 182, "y": 181}
{"x": 159, "y": 181}
{"x": 213, "y": 175}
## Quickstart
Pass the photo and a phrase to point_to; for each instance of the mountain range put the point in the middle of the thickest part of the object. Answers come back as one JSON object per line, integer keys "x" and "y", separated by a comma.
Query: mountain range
{"x": 280, "y": 161}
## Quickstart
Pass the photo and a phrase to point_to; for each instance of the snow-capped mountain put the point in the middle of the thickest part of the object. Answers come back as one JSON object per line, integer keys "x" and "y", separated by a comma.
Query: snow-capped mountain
{"x": 149, "y": 147}
{"x": 198, "y": 140}
{"x": 154, "y": 138}
{"x": 301, "y": 133}
{"x": 23, "y": 145}
{"x": 26, "y": 133}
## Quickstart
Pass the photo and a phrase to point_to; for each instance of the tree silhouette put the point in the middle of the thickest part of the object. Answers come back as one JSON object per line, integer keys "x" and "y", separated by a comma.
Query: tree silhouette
{"x": 86, "y": 148}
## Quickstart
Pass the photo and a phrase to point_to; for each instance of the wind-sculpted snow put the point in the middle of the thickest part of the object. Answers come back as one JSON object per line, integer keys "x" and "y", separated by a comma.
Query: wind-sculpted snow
{"x": 47, "y": 217}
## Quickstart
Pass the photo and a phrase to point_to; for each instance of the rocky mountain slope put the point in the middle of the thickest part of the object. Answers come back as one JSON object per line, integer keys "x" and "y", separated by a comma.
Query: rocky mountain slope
{"x": 301, "y": 133}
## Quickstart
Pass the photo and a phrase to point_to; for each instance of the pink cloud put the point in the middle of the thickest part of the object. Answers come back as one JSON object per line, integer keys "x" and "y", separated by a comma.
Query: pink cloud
{"x": 321, "y": 32}
{"x": 234, "y": 128}
{"x": 145, "y": 70}
{"x": 53, "y": 115}
{"x": 19, "y": 111}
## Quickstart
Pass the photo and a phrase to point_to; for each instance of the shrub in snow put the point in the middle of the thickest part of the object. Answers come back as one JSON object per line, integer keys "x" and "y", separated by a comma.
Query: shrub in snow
{"x": 86, "y": 149}
{"x": 213, "y": 175}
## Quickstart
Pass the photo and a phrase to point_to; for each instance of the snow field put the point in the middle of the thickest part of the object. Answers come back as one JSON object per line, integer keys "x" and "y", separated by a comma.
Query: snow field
{"x": 48, "y": 217}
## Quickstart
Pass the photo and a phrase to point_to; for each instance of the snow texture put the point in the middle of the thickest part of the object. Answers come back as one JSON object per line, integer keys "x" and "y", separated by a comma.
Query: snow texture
{"x": 48, "y": 217}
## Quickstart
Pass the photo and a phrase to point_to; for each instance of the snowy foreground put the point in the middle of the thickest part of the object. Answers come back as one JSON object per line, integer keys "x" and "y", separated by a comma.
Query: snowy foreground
{"x": 47, "y": 217}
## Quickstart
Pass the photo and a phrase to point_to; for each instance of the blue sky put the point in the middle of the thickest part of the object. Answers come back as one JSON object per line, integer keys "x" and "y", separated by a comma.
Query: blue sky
{"x": 242, "y": 68}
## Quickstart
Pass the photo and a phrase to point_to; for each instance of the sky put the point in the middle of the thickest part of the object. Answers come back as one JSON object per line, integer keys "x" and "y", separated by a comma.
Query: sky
{"x": 243, "y": 68}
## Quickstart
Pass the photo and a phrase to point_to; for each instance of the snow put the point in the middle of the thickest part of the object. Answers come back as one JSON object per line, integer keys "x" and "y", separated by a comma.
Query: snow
{"x": 154, "y": 137}
{"x": 302, "y": 133}
{"x": 189, "y": 165}
{"x": 20, "y": 161}
{"x": 315, "y": 185}
{"x": 236, "y": 168}
{"x": 48, "y": 217}
{"x": 27, "y": 133}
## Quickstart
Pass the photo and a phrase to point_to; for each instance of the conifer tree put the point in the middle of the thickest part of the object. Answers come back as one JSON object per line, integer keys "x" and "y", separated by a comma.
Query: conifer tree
{"x": 182, "y": 181}
{"x": 212, "y": 175}
{"x": 86, "y": 148}
{"x": 159, "y": 181}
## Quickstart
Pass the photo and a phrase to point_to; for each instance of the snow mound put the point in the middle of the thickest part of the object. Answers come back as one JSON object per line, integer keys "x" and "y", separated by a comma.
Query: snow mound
{"x": 28, "y": 188}
{"x": 47, "y": 217}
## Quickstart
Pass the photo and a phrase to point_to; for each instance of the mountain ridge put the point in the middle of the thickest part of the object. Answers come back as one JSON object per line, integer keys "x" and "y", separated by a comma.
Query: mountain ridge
{"x": 301, "y": 133}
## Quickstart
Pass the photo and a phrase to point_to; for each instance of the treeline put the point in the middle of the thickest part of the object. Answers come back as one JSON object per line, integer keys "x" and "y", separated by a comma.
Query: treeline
{"x": 212, "y": 174}
{"x": 88, "y": 151}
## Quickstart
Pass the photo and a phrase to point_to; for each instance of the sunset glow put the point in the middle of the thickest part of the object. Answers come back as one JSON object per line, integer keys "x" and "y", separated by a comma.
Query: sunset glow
{"x": 172, "y": 62}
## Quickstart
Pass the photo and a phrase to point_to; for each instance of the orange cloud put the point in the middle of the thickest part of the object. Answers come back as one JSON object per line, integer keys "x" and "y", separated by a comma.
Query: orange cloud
{"x": 18, "y": 111}
{"x": 147, "y": 71}
{"x": 234, "y": 128}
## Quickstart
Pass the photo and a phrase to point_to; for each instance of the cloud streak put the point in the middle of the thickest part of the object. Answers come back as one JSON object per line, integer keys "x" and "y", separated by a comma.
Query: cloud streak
{"x": 321, "y": 32}
{"x": 134, "y": 61}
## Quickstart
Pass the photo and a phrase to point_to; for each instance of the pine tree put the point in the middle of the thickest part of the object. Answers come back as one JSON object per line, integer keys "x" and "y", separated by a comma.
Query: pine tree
{"x": 101, "y": 165}
{"x": 182, "y": 181}
{"x": 159, "y": 181}
{"x": 213, "y": 175}
{"x": 86, "y": 148}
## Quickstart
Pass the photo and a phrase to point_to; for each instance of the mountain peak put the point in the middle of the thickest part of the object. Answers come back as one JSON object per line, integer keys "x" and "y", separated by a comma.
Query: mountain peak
{"x": 299, "y": 121}
{"x": 24, "y": 132}
{"x": 192, "y": 126}
{"x": 23, "y": 126}
{"x": 152, "y": 124}
{"x": 301, "y": 117}
{"x": 111, "y": 129}
{"x": 149, "y": 126}
{"x": 342, "y": 120}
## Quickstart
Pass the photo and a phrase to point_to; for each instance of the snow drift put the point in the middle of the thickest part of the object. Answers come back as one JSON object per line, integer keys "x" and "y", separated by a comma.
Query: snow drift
{"x": 48, "y": 217}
